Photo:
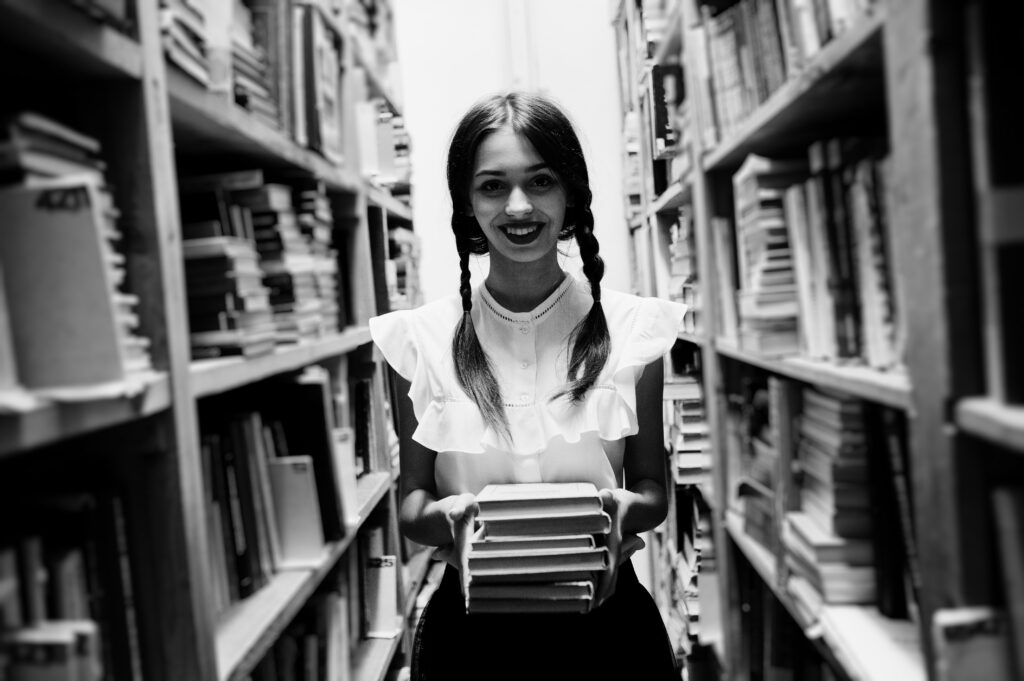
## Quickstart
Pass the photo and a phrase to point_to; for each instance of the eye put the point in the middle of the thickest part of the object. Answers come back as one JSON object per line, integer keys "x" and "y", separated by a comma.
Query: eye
{"x": 491, "y": 187}
{"x": 543, "y": 182}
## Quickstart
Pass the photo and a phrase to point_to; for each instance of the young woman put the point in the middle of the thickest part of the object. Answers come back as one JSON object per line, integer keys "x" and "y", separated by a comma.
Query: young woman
{"x": 531, "y": 376}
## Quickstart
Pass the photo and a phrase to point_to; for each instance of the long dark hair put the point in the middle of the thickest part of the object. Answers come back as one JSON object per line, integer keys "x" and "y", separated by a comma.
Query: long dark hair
{"x": 550, "y": 132}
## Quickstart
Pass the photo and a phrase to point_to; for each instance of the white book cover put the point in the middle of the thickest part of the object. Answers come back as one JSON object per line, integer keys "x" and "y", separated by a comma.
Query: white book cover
{"x": 297, "y": 511}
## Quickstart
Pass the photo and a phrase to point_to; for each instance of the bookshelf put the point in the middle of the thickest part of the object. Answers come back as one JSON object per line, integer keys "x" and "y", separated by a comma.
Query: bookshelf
{"x": 138, "y": 453}
{"x": 942, "y": 119}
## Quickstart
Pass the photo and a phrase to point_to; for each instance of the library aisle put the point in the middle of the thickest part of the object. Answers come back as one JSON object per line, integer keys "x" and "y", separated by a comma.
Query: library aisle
{"x": 199, "y": 470}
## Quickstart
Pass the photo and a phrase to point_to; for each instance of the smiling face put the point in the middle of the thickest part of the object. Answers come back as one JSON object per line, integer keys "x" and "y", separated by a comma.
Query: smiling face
{"x": 516, "y": 198}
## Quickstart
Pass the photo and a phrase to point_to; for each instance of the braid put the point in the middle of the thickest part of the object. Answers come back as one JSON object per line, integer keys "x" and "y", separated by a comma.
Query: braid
{"x": 590, "y": 340}
{"x": 472, "y": 365}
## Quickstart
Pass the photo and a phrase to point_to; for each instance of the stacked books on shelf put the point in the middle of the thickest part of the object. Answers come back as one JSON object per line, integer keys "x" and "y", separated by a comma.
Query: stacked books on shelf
{"x": 280, "y": 233}
{"x": 250, "y": 69}
{"x": 538, "y": 548}
{"x": 754, "y": 47}
{"x": 229, "y": 307}
{"x": 828, "y": 542}
{"x": 767, "y": 297}
{"x": 67, "y": 606}
{"x": 687, "y": 430}
{"x": 183, "y": 34}
{"x": 316, "y": 223}
{"x": 73, "y": 327}
{"x": 286, "y": 260}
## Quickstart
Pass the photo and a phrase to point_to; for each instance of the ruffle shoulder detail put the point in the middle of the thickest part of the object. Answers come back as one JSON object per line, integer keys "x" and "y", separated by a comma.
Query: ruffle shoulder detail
{"x": 417, "y": 343}
{"x": 642, "y": 330}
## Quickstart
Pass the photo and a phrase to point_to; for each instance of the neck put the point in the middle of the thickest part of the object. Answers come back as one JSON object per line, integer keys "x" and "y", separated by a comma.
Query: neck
{"x": 520, "y": 287}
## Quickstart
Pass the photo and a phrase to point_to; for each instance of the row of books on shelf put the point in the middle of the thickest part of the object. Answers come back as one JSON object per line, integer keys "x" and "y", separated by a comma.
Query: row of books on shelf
{"x": 68, "y": 610}
{"x": 261, "y": 266}
{"x": 846, "y": 534}
{"x": 115, "y": 13}
{"x": 69, "y": 326}
{"x": 281, "y": 61}
{"x": 812, "y": 264}
{"x": 280, "y": 478}
{"x": 748, "y": 50}
{"x": 361, "y": 602}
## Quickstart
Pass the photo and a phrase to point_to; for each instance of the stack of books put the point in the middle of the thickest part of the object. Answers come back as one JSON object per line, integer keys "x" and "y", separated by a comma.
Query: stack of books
{"x": 58, "y": 252}
{"x": 767, "y": 300}
{"x": 228, "y": 305}
{"x": 183, "y": 33}
{"x": 538, "y": 549}
{"x": 250, "y": 69}
{"x": 829, "y": 541}
{"x": 286, "y": 259}
{"x": 316, "y": 223}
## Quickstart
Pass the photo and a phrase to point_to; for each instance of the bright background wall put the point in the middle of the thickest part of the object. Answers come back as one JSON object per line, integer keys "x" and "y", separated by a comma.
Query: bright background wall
{"x": 453, "y": 52}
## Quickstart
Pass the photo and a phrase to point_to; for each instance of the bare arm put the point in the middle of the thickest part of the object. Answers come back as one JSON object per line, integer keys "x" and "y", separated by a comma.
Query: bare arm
{"x": 423, "y": 517}
{"x": 643, "y": 503}
{"x": 646, "y": 503}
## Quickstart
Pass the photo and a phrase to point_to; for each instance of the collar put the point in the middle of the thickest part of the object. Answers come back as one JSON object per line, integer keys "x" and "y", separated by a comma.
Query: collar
{"x": 542, "y": 309}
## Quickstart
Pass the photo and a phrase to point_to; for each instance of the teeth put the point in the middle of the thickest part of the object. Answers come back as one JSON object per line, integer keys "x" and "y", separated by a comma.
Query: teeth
{"x": 521, "y": 231}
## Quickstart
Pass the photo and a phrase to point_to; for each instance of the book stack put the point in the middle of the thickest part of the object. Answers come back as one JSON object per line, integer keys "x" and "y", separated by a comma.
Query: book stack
{"x": 537, "y": 549}
{"x": 229, "y": 307}
{"x": 316, "y": 223}
{"x": 250, "y": 69}
{"x": 829, "y": 540}
{"x": 34, "y": 147}
{"x": 767, "y": 299}
{"x": 286, "y": 260}
{"x": 688, "y": 433}
{"x": 183, "y": 34}
{"x": 58, "y": 252}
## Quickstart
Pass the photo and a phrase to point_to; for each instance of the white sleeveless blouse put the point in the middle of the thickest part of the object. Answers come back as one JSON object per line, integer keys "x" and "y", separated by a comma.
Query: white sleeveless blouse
{"x": 552, "y": 441}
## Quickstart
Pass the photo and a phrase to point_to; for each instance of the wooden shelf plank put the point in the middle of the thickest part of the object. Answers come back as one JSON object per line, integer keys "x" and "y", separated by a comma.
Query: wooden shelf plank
{"x": 844, "y": 631}
{"x": 889, "y": 388}
{"x": 208, "y": 122}
{"x": 383, "y": 198}
{"x": 56, "y": 31}
{"x": 697, "y": 339}
{"x": 676, "y": 195}
{"x": 212, "y": 376}
{"x": 52, "y": 422}
{"x": 373, "y": 658}
{"x": 249, "y": 628}
{"x": 992, "y": 420}
{"x": 831, "y": 87}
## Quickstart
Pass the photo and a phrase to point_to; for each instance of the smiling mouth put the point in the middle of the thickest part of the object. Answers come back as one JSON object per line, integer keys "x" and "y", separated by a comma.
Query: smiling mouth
{"x": 521, "y": 229}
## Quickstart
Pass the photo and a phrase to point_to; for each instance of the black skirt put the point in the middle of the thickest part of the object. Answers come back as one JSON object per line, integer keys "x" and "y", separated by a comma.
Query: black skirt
{"x": 625, "y": 639}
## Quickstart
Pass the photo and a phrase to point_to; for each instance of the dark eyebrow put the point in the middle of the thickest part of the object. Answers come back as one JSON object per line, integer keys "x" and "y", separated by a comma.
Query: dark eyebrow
{"x": 500, "y": 173}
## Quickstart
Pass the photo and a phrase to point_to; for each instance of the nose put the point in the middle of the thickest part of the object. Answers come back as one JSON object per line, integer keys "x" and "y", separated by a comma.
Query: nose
{"x": 518, "y": 203}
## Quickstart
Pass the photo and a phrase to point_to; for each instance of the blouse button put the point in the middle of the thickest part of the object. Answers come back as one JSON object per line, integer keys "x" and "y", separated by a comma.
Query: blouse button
{"x": 524, "y": 329}
{"x": 524, "y": 365}
{"x": 523, "y": 397}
